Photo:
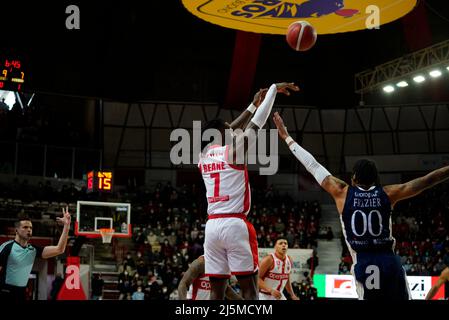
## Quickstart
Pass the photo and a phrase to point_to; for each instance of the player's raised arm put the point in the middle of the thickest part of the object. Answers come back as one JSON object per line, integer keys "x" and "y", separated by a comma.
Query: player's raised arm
{"x": 334, "y": 186}
{"x": 52, "y": 251}
{"x": 441, "y": 280}
{"x": 242, "y": 120}
{"x": 397, "y": 192}
{"x": 196, "y": 269}
{"x": 264, "y": 110}
{"x": 246, "y": 140}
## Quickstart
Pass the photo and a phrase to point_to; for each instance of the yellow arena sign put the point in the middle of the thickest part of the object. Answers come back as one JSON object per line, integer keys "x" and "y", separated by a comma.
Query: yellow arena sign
{"x": 274, "y": 16}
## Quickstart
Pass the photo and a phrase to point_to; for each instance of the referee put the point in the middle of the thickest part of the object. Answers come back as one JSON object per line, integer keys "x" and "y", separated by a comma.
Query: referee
{"x": 17, "y": 257}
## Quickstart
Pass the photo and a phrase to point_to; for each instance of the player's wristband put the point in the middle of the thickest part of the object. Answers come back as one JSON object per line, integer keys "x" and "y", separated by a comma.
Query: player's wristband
{"x": 288, "y": 140}
{"x": 251, "y": 109}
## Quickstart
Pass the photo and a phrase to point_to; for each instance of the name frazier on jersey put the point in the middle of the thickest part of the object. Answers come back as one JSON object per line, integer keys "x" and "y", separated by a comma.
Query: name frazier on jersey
{"x": 367, "y": 203}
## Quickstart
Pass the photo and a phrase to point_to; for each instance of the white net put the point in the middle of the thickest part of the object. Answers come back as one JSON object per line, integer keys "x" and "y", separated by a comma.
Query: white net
{"x": 106, "y": 235}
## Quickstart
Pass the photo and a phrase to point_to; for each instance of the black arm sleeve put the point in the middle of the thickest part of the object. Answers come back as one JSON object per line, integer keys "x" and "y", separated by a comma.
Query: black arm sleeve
{"x": 39, "y": 251}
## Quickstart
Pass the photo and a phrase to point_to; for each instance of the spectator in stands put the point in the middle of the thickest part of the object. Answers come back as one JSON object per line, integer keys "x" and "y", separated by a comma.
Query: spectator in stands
{"x": 329, "y": 234}
{"x": 279, "y": 226}
{"x": 3, "y": 107}
{"x": 154, "y": 289}
{"x": 142, "y": 268}
{"x": 313, "y": 262}
{"x": 56, "y": 286}
{"x": 138, "y": 294}
{"x": 97, "y": 287}
{"x": 130, "y": 261}
{"x": 174, "y": 295}
{"x": 124, "y": 285}
{"x": 342, "y": 267}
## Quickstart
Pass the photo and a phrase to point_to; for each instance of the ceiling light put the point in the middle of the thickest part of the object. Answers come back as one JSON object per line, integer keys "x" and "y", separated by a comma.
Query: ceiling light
{"x": 388, "y": 89}
{"x": 419, "y": 79}
{"x": 435, "y": 73}
{"x": 402, "y": 84}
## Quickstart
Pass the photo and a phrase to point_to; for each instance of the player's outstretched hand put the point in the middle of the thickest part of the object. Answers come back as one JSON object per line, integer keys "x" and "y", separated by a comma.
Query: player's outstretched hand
{"x": 66, "y": 218}
{"x": 276, "y": 294}
{"x": 259, "y": 96}
{"x": 282, "y": 130}
{"x": 284, "y": 87}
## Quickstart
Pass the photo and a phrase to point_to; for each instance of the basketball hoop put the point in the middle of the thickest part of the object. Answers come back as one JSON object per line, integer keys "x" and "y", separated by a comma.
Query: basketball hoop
{"x": 106, "y": 234}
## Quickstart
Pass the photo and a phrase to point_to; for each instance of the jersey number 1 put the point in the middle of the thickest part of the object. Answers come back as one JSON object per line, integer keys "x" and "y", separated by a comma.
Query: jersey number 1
{"x": 217, "y": 197}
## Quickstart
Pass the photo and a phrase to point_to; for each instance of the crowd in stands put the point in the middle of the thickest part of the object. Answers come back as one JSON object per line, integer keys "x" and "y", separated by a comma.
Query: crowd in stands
{"x": 420, "y": 228}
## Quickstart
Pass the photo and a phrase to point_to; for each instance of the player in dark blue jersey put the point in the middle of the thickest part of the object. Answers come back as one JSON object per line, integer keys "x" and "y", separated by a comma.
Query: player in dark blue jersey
{"x": 365, "y": 212}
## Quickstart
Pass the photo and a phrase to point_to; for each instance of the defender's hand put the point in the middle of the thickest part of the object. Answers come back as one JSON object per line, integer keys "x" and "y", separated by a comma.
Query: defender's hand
{"x": 282, "y": 130}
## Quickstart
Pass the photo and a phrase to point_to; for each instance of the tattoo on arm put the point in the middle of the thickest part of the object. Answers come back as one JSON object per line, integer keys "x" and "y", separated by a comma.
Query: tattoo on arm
{"x": 416, "y": 186}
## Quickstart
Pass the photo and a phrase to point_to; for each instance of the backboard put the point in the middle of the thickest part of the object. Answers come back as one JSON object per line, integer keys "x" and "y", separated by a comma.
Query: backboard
{"x": 92, "y": 216}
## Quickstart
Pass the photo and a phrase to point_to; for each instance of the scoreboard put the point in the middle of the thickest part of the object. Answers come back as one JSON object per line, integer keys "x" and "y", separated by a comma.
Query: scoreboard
{"x": 12, "y": 75}
{"x": 99, "y": 181}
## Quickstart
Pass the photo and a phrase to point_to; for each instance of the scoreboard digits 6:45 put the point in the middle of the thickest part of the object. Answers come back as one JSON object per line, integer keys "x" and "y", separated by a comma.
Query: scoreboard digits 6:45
{"x": 12, "y": 76}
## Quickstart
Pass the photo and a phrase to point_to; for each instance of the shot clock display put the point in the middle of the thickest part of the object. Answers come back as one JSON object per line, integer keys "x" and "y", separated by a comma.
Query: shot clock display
{"x": 12, "y": 76}
{"x": 99, "y": 181}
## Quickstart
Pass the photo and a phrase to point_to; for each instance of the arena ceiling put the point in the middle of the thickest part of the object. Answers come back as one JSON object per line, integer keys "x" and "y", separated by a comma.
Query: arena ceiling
{"x": 133, "y": 51}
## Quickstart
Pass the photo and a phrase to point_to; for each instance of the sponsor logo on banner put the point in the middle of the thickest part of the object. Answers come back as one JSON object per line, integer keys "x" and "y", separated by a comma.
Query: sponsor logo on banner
{"x": 343, "y": 286}
{"x": 420, "y": 286}
{"x": 274, "y": 16}
{"x": 340, "y": 286}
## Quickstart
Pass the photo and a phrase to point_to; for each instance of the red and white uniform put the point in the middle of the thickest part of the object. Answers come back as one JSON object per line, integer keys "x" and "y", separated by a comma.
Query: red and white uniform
{"x": 230, "y": 245}
{"x": 277, "y": 277}
{"x": 227, "y": 186}
{"x": 199, "y": 289}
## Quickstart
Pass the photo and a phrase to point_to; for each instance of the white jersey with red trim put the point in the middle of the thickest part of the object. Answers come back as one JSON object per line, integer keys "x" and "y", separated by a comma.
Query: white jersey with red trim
{"x": 278, "y": 276}
{"x": 199, "y": 289}
{"x": 227, "y": 185}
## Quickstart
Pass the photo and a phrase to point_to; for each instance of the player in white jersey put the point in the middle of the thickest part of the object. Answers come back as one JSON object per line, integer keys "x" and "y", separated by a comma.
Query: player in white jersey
{"x": 274, "y": 275}
{"x": 194, "y": 285}
{"x": 230, "y": 245}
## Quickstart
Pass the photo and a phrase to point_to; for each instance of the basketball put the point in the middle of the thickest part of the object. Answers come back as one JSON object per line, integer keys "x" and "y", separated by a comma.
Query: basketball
{"x": 301, "y": 35}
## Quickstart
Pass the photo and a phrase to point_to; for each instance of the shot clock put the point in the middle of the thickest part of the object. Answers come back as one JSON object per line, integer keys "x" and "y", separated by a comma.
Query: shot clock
{"x": 100, "y": 181}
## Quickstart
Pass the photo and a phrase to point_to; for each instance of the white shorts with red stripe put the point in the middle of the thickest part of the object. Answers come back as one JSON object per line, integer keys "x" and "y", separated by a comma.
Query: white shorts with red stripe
{"x": 230, "y": 246}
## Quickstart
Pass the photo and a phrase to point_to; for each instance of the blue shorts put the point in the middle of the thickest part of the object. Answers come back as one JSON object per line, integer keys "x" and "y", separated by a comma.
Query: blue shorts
{"x": 380, "y": 276}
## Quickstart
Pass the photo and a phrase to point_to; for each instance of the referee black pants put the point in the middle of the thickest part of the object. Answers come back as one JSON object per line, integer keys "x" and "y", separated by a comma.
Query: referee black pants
{"x": 12, "y": 293}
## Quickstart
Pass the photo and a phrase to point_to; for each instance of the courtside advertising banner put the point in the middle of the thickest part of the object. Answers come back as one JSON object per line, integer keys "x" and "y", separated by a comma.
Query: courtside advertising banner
{"x": 299, "y": 259}
{"x": 343, "y": 286}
